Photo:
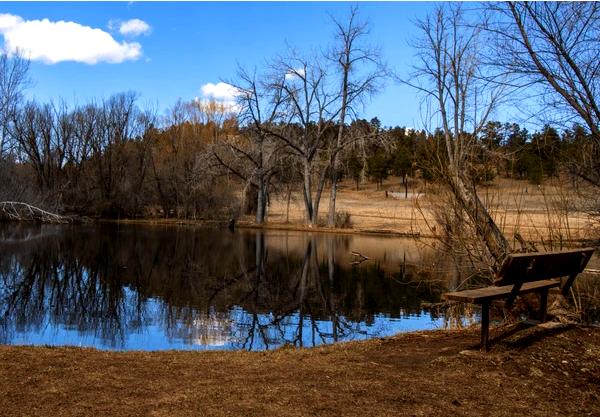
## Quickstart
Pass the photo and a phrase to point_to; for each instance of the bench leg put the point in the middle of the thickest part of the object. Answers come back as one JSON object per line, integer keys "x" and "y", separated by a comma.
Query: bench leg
{"x": 543, "y": 304}
{"x": 567, "y": 285}
{"x": 485, "y": 326}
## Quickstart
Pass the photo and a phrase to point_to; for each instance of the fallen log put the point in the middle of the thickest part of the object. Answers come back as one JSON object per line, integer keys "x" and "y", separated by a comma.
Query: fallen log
{"x": 17, "y": 211}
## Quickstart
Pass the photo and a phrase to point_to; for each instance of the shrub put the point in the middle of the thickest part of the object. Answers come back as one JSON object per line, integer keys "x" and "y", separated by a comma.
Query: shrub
{"x": 343, "y": 220}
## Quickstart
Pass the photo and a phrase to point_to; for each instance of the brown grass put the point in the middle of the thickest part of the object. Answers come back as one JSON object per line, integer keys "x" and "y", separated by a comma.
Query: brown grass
{"x": 540, "y": 371}
{"x": 538, "y": 213}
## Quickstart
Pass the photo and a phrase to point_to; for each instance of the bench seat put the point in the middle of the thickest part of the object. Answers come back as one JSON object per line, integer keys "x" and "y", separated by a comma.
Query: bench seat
{"x": 482, "y": 295}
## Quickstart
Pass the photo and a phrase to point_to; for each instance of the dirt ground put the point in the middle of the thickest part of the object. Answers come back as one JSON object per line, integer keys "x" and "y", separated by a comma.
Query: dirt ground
{"x": 550, "y": 211}
{"x": 552, "y": 370}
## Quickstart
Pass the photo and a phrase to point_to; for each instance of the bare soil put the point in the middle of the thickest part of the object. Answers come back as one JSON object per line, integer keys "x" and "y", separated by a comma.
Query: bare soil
{"x": 549, "y": 370}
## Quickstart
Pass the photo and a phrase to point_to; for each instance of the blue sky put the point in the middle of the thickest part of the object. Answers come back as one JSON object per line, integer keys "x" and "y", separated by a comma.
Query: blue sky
{"x": 191, "y": 44}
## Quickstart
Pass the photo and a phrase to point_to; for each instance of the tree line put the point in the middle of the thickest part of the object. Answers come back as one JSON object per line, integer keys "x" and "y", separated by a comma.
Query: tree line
{"x": 113, "y": 159}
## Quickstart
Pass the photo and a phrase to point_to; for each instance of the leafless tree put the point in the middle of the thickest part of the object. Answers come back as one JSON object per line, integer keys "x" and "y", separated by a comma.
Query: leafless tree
{"x": 307, "y": 120}
{"x": 301, "y": 107}
{"x": 549, "y": 51}
{"x": 182, "y": 175}
{"x": 252, "y": 155}
{"x": 361, "y": 71}
{"x": 450, "y": 75}
{"x": 14, "y": 78}
{"x": 171, "y": 159}
{"x": 37, "y": 136}
{"x": 115, "y": 127}
{"x": 84, "y": 126}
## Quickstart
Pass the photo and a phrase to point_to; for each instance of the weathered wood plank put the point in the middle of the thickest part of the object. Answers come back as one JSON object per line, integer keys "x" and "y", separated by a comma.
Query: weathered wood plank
{"x": 479, "y": 295}
{"x": 525, "y": 267}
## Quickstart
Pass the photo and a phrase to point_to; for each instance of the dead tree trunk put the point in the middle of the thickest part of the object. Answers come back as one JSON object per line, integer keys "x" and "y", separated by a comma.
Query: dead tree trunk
{"x": 485, "y": 226}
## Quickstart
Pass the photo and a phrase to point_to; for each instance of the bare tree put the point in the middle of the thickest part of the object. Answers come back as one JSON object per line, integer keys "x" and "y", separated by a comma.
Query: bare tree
{"x": 41, "y": 142}
{"x": 115, "y": 127}
{"x": 450, "y": 75}
{"x": 84, "y": 125}
{"x": 182, "y": 172}
{"x": 306, "y": 123}
{"x": 252, "y": 154}
{"x": 550, "y": 52}
{"x": 301, "y": 107}
{"x": 14, "y": 78}
{"x": 361, "y": 70}
{"x": 171, "y": 158}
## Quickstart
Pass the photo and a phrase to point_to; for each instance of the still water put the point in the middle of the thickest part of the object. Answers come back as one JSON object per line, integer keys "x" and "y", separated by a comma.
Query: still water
{"x": 174, "y": 287}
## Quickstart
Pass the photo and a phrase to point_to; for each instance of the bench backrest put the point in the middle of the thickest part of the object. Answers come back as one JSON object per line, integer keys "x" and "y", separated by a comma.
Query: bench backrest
{"x": 527, "y": 267}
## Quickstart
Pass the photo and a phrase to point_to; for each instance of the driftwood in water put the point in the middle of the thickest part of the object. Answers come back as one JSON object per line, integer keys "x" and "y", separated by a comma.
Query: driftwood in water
{"x": 13, "y": 210}
{"x": 358, "y": 258}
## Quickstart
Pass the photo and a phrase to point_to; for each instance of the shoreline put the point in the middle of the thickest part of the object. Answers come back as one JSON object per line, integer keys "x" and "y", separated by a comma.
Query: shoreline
{"x": 295, "y": 227}
{"x": 246, "y": 225}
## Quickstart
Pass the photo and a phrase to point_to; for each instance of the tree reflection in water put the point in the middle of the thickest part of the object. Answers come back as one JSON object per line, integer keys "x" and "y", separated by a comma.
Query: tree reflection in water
{"x": 142, "y": 287}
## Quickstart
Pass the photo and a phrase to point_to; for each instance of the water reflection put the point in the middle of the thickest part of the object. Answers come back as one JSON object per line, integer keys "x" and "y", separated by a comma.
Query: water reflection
{"x": 140, "y": 287}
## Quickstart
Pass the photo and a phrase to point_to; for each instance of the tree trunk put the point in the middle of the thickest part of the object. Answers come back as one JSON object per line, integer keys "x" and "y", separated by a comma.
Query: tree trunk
{"x": 335, "y": 162}
{"x": 486, "y": 228}
{"x": 308, "y": 204}
{"x": 318, "y": 194}
{"x": 332, "y": 195}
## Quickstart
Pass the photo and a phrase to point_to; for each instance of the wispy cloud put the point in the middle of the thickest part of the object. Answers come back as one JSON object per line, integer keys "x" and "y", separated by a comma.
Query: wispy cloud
{"x": 57, "y": 41}
{"x": 134, "y": 27}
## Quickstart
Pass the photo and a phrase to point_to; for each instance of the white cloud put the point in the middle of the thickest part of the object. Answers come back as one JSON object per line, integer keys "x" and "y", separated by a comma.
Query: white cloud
{"x": 59, "y": 41}
{"x": 222, "y": 93}
{"x": 134, "y": 27}
{"x": 219, "y": 91}
{"x": 8, "y": 20}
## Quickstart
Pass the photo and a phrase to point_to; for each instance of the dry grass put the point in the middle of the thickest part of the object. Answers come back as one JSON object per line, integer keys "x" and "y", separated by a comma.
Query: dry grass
{"x": 541, "y": 371}
{"x": 547, "y": 214}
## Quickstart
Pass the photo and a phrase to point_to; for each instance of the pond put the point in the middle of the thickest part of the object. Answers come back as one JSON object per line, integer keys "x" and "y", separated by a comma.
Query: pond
{"x": 140, "y": 287}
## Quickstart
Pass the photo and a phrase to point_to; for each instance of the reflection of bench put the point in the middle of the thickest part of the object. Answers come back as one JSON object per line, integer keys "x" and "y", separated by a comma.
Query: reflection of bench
{"x": 525, "y": 273}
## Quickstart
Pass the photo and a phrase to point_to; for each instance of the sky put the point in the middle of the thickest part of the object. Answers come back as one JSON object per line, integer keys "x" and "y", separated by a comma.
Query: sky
{"x": 167, "y": 51}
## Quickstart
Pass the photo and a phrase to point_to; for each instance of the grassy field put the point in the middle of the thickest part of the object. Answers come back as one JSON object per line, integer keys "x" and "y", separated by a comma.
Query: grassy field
{"x": 551, "y": 211}
{"x": 550, "y": 370}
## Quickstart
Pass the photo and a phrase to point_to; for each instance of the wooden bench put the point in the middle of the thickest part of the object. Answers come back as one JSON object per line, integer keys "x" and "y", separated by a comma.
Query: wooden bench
{"x": 526, "y": 273}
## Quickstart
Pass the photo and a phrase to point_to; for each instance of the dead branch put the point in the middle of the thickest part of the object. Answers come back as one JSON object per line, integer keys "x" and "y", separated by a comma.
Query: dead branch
{"x": 17, "y": 211}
